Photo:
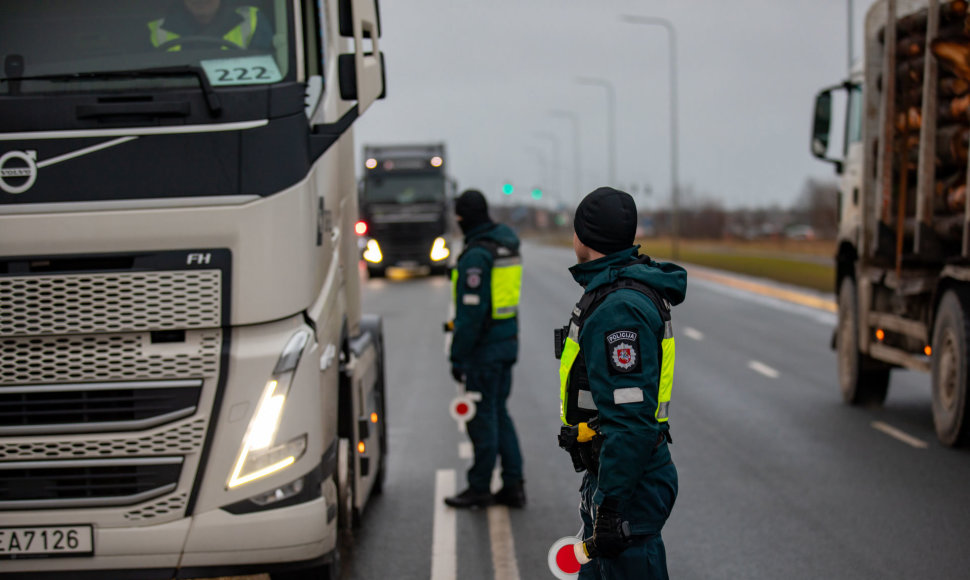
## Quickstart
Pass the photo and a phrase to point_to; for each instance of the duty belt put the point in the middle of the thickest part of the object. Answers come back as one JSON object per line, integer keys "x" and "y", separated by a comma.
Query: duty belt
{"x": 584, "y": 442}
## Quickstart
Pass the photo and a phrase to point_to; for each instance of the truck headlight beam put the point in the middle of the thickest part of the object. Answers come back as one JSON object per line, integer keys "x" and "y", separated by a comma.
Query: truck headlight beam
{"x": 258, "y": 456}
{"x": 439, "y": 250}
{"x": 373, "y": 252}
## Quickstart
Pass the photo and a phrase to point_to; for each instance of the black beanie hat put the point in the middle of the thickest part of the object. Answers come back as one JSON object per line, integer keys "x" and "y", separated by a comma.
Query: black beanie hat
{"x": 472, "y": 208}
{"x": 606, "y": 220}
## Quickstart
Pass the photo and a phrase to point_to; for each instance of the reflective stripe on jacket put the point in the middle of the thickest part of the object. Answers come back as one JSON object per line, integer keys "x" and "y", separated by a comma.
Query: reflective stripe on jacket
{"x": 576, "y": 400}
{"x": 505, "y": 288}
{"x": 240, "y": 35}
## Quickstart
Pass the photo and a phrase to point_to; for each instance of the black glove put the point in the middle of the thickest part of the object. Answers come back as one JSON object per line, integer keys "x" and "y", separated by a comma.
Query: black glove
{"x": 457, "y": 374}
{"x": 611, "y": 535}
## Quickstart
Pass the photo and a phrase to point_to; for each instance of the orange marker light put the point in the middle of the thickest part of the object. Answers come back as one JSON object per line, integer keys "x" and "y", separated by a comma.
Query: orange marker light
{"x": 880, "y": 334}
{"x": 928, "y": 350}
{"x": 373, "y": 417}
{"x": 361, "y": 447}
{"x": 360, "y": 228}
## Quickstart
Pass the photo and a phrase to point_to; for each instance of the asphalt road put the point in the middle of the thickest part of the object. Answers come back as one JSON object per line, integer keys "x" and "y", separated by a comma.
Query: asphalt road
{"x": 778, "y": 479}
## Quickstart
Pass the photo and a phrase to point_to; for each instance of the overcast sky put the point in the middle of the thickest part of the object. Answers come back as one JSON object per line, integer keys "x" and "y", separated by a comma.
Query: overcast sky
{"x": 483, "y": 75}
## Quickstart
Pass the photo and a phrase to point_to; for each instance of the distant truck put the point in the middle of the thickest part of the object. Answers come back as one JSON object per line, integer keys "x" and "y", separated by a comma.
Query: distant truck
{"x": 406, "y": 206}
{"x": 903, "y": 258}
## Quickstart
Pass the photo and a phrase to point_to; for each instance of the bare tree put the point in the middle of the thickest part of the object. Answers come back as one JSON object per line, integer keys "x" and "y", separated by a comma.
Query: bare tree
{"x": 818, "y": 206}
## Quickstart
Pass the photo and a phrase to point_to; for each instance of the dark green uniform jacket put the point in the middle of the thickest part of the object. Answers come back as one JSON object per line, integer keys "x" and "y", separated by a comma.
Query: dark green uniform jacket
{"x": 630, "y": 458}
{"x": 477, "y": 338}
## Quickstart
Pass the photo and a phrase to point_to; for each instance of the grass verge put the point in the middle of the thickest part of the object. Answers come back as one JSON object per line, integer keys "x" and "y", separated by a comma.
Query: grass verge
{"x": 804, "y": 264}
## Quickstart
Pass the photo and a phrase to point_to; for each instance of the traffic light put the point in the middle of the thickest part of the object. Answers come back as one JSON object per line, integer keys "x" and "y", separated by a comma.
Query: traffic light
{"x": 507, "y": 189}
{"x": 536, "y": 193}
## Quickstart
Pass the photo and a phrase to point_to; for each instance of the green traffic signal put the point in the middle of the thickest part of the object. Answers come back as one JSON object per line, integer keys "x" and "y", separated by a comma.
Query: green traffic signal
{"x": 537, "y": 193}
{"x": 507, "y": 189}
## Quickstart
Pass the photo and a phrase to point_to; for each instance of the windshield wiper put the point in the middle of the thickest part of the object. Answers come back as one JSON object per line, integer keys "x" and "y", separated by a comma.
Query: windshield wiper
{"x": 211, "y": 98}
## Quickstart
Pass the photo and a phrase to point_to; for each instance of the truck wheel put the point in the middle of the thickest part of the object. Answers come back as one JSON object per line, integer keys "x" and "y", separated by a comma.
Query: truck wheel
{"x": 374, "y": 326}
{"x": 347, "y": 516}
{"x": 949, "y": 370}
{"x": 378, "y": 487}
{"x": 863, "y": 381}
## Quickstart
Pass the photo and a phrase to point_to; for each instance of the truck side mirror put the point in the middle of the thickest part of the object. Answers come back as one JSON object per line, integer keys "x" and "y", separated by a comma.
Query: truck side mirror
{"x": 347, "y": 73}
{"x": 822, "y": 124}
{"x": 822, "y": 127}
{"x": 361, "y": 73}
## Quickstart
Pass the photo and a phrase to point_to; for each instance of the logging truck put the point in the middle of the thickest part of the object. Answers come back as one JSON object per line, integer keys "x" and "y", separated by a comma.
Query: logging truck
{"x": 903, "y": 258}
{"x": 188, "y": 387}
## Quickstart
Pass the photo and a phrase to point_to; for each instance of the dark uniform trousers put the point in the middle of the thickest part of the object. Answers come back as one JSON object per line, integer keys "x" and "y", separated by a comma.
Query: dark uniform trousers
{"x": 646, "y": 558}
{"x": 491, "y": 430}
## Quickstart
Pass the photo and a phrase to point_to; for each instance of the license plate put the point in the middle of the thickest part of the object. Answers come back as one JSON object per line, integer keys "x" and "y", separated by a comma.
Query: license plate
{"x": 33, "y": 542}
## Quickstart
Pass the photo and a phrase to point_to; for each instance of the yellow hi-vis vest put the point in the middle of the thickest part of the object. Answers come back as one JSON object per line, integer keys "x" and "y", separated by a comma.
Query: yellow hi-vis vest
{"x": 574, "y": 392}
{"x": 506, "y": 286}
{"x": 241, "y": 35}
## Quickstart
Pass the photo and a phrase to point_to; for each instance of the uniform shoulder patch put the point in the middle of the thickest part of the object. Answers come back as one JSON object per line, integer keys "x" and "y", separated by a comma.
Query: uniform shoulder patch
{"x": 623, "y": 351}
{"x": 473, "y": 278}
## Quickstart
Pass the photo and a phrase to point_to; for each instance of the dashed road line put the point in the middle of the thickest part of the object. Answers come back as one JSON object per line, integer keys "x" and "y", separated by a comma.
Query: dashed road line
{"x": 444, "y": 561}
{"x": 899, "y": 435}
{"x": 503, "y": 545}
{"x": 693, "y": 333}
{"x": 500, "y": 537}
{"x": 763, "y": 369}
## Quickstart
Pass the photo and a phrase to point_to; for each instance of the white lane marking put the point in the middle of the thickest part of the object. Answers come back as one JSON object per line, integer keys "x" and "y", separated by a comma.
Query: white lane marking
{"x": 500, "y": 537}
{"x": 763, "y": 369}
{"x": 465, "y": 450}
{"x": 693, "y": 333}
{"x": 900, "y": 435}
{"x": 503, "y": 546}
{"x": 444, "y": 562}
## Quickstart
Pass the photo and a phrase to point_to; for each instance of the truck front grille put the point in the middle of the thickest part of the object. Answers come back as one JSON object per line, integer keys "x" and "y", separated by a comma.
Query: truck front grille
{"x": 409, "y": 233}
{"x": 122, "y": 302}
{"x": 112, "y": 357}
{"x": 86, "y": 407}
{"x": 101, "y": 482}
{"x": 109, "y": 369}
{"x": 184, "y": 437}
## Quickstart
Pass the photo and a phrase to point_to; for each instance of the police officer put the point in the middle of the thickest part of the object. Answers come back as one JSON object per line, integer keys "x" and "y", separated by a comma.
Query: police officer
{"x": 485, "y": 286}
{"x": 244, "y": 27}
{"x": 616, "y": 373}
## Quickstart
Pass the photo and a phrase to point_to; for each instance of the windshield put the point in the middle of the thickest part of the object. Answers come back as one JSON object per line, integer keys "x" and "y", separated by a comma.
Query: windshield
{"x": 235, "y": 42}
{"x": 405, "y": 188}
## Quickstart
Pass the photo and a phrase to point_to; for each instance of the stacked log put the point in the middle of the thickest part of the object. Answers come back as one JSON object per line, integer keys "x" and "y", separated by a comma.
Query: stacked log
{"x": 951, "y": 49}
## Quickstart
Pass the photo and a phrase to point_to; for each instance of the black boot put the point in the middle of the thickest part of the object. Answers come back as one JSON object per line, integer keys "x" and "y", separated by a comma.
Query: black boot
{"x": 470, "y": 499}
{"x": 512, "y": 495}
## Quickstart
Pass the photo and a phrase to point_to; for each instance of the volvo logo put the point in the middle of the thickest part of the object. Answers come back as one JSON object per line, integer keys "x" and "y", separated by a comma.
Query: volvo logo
{"x": 18, "y": 171}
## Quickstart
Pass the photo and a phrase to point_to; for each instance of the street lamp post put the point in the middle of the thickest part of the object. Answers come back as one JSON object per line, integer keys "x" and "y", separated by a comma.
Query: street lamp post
{"x": 610, "y": 122}
{"x": 577, "y": 155}
{"x": 541, "y": 157}
{"x": 555, "y": 162}
{"x": 674, "y": 181}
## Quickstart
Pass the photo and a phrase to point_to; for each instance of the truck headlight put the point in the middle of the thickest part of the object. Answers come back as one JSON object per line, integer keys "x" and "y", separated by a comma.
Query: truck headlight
{"x": 439, "y": 250}
{"x": 260, "y": 455}
{"x": 373, "y": 252}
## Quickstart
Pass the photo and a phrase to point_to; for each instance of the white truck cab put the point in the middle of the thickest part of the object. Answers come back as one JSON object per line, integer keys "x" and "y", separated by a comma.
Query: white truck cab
{"x": 187, "y": 385}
